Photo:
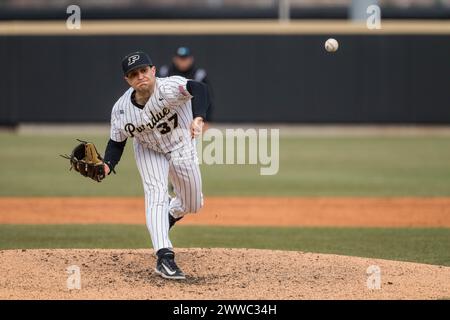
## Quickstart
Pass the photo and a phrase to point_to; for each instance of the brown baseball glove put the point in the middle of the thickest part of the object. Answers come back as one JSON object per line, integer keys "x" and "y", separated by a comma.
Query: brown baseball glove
{"x": 86, "y": 160}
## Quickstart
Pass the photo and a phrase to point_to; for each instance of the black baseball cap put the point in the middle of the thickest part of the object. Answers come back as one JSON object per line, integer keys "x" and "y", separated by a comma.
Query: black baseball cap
{"x": 183, "y": 52}
{"x": 135, "y": 60}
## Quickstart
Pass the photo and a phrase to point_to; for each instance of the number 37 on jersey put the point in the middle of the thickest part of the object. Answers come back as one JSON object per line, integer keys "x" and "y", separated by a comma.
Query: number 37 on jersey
{"x": 156, "y": 121}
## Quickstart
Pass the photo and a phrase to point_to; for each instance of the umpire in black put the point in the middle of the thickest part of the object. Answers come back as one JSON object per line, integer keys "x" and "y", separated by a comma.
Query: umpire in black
{"x": 183, "y": 64}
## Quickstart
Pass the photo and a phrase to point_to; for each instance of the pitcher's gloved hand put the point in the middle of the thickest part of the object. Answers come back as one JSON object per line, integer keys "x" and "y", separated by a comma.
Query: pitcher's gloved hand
{"x": 86, "y": 160}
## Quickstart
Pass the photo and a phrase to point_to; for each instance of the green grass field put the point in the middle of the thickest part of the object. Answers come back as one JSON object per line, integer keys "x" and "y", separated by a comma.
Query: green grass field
{"x": 420, "y": 245}
{"x": 325, "y": 166}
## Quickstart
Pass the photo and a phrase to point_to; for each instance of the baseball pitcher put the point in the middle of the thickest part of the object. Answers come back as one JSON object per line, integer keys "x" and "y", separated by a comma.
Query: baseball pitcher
{"x": 162, "y": 116}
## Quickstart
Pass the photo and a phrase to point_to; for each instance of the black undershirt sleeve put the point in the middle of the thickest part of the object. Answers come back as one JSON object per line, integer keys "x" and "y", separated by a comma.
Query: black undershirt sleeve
{"x": 200, "y": 102}
{"x": 113, "y": 153}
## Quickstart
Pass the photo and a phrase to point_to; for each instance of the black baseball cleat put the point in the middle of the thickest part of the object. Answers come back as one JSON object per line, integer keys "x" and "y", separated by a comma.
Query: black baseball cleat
{"x": 173, "y": 220}
{"x": 166, "y": 266}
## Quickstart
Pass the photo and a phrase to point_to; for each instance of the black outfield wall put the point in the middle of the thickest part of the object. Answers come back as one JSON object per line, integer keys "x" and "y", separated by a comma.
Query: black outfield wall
{"x": 256, "y": 78}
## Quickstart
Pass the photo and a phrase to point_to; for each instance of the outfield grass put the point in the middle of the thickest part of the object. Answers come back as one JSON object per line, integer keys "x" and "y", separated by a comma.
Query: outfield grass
{"x": 431, "y": 245}
{"x": 325, "y": 166}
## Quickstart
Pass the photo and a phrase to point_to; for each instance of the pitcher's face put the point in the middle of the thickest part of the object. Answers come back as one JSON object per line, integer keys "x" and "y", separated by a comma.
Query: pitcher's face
{"x": 141, "y": 79}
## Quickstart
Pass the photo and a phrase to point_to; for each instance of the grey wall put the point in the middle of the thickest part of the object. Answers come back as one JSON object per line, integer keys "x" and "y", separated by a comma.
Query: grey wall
{"x": 371, "y": 79}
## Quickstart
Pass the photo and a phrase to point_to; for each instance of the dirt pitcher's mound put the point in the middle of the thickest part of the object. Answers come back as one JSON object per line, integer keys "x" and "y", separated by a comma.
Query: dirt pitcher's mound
{"x": 215, "y": 274}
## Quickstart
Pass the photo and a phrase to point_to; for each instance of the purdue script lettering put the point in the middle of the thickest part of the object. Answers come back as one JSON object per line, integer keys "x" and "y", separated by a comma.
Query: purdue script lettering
{"x": 154, "y": 120}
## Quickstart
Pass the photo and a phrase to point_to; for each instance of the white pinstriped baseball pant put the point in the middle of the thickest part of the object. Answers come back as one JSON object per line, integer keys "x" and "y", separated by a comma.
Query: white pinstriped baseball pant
{"x": 181, "y": 167}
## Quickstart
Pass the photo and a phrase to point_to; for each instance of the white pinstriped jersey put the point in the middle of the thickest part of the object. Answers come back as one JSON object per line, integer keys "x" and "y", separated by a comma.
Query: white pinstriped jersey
{"x": 168, "y": 108}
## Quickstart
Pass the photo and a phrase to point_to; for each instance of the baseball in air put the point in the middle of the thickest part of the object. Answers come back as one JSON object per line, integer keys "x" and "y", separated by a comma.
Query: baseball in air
{"x": 331, "y": 45}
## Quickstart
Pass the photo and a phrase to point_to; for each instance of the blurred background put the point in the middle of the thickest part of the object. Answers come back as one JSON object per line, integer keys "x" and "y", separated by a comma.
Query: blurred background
{"x": 264, "y": 59}
{"x": 220, "y": 8}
